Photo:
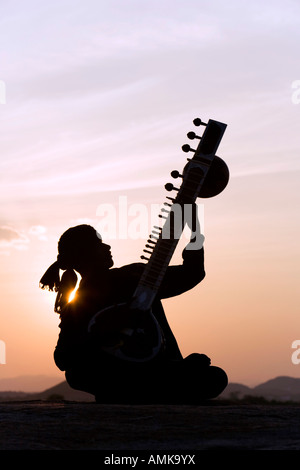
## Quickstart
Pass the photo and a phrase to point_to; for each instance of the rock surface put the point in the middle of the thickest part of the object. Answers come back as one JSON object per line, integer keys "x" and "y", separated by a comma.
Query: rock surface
{"x": 42, "y": 425}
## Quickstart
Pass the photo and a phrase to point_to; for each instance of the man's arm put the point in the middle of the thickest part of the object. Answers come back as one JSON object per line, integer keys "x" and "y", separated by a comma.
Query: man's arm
{"x": 181, "y": 278}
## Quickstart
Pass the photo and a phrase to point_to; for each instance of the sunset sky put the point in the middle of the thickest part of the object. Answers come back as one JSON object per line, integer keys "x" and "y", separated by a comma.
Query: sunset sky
{"x": 99, "y": 97}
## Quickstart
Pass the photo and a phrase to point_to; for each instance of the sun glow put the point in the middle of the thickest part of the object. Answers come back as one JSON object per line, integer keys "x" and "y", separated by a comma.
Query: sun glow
{"x": 72, "y": 295}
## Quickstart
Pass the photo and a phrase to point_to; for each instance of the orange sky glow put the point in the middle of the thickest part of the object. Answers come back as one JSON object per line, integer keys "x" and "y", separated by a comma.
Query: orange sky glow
{"x": 97, "y": 102}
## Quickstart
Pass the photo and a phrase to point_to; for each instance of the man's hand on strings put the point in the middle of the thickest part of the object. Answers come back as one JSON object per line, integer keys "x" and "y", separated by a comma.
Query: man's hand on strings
{"x": 197, "y": 239}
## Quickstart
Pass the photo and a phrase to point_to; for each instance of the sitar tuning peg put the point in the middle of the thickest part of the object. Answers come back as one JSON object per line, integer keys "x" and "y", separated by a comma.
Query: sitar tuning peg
{"x": 197, "y": 122}
{"x": 192, "y": 136}
{"x": 187, "y": 148}
{"x": 170, "y": 187}
{"x": 175, "y": 174}
{"x": 149, "y": 246}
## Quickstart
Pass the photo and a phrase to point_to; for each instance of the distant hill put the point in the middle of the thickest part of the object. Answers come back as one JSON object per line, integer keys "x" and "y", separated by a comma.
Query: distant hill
{"x": 61, "y": 391}
{"x": 280, "y": 389}
{"x": 65, "y": 392}
{"x": 29, "y": 383}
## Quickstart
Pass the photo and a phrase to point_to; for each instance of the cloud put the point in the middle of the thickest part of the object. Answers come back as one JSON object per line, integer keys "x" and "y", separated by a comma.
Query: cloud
{"x": 38, "y": 231}
{"x": 12, "y": 238}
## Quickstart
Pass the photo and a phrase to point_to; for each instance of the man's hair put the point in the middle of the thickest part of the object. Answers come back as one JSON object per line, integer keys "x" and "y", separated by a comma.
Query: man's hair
{"x": 73, "y": 246}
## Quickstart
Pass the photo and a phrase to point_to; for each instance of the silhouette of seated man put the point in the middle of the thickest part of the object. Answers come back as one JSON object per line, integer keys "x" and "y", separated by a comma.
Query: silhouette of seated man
{"x": 168, "y": 378}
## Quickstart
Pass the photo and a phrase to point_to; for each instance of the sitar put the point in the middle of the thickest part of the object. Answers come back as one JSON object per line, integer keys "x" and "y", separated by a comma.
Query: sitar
{"x": 129, "y": 330}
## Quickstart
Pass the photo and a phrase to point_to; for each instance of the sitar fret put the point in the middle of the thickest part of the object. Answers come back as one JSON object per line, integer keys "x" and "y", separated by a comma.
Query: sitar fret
{"x": 158, "y": 262}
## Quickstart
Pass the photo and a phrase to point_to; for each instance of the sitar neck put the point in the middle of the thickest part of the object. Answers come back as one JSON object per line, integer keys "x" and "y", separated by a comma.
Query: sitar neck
{"x": 160, "y": 247}
{"x": 163, "y": 241}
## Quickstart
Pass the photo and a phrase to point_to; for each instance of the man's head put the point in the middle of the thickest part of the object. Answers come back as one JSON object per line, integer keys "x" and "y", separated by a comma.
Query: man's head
{"x": 81, "y": 248}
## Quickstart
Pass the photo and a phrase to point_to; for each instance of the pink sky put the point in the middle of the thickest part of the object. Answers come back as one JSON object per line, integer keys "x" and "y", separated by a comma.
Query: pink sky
{"x": 99, "y": 98}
